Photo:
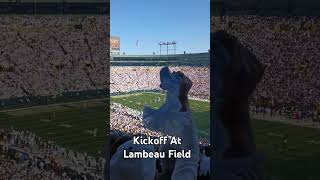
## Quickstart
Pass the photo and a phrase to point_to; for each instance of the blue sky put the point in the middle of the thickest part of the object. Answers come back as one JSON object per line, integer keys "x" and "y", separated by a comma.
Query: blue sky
{"x": 152, "y": 21}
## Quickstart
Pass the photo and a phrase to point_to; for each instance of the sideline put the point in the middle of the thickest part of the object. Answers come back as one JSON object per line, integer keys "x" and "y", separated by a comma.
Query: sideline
{"x": 50, "y": 105}
{"x": 148, "y": 92}
{"x": 282, "y": 120}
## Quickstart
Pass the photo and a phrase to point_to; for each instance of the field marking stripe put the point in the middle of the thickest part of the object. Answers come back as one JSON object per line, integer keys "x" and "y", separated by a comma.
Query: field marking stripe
{"x": 125, "y": 95}
{"x": 203, "y": 132}
{"x": 140, "y": 93}
{"x": 49, "y": 105}
{"x": 192, "y": 98}
{"x": 201, "y": 111}
{"x": 286, "y": 122}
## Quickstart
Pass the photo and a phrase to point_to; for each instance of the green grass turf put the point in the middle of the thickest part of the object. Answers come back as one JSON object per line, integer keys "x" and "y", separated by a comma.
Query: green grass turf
{"x": 81, "y": 119}
{"x": 295, "y": 161}
{"x": 200, "y": 109}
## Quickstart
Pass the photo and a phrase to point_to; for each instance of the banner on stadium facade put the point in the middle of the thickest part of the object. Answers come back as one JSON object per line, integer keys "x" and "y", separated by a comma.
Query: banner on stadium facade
{"x": 115, "y": 43}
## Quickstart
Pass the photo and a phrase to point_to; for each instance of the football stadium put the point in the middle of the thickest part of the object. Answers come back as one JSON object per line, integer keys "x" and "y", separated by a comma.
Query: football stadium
{"x": 141, "y": 49}
{"x": 53, "y": 90}
{"x": 139, "y": 86}
{"x": 285, "y": 106}
{"x": 135, "y": 84}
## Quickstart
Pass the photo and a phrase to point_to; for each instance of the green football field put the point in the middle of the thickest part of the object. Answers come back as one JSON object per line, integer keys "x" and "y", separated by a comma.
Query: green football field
{"x": 298, "y": 159}
{"x": 200, "y": 109}
{"x": 70, "y": 125}
{"x": 301, "y": 153}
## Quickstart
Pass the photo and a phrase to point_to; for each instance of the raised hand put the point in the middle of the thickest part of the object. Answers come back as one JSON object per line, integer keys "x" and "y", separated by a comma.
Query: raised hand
{"x": 236, "y": 73}
{"x": 185, "y": 86}
{"x": 236, "y": 70}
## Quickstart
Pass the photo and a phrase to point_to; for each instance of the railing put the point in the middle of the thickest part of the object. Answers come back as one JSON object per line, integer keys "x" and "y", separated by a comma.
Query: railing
{"x": 198, "y": 59}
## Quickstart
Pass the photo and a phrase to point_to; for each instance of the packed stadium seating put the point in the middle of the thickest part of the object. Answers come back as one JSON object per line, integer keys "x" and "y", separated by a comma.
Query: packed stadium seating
{"x": 147, "y": 78}
{"x": 24, "y": 155}
{"x": 48, "y": 55}
{"x": 48, "y": 59}
{"x": 289, "y": 48}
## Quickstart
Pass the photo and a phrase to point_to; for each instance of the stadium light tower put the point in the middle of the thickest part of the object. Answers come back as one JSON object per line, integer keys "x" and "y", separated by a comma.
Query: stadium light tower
{"x": 161, "y": 44}
{"x": 168, "y": 43}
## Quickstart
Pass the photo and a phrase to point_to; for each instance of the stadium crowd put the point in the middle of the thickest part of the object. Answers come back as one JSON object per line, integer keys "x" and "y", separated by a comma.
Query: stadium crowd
{"x": 11, "y": 170}
{"x": 289, "y": 47}
{"x": 23, "y": 155}
{"x": 47, "y": 55}
{"x": 128, "y": 122}
{"x": 131, "y": 78}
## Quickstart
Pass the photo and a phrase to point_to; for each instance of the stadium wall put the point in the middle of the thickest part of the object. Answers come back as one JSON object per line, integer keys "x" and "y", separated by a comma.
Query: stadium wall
{"x": 196, "y": 59}
{"x": 66, "y": 97}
